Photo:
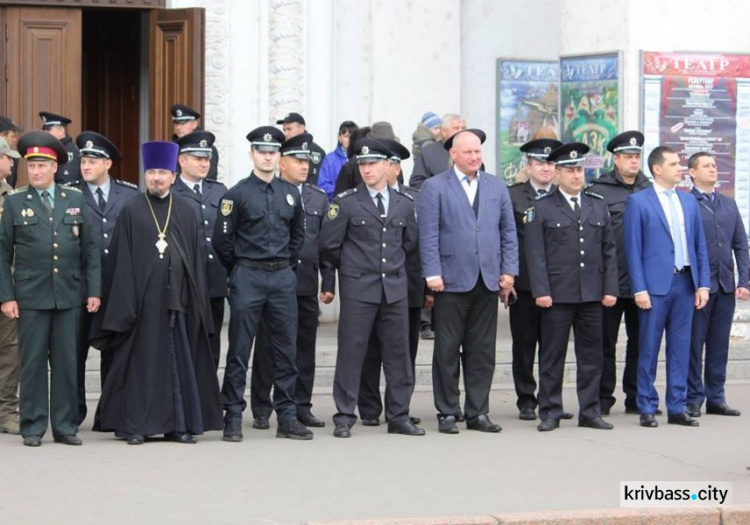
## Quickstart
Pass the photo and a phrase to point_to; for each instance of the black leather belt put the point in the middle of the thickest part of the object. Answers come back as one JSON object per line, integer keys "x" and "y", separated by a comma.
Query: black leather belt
{"x": 684, "y": 269}
{"x": 268, "y": 266}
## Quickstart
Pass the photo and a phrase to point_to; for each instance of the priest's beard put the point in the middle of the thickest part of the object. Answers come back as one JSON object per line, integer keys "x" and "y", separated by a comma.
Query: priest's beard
{"x": 157, "y": 192}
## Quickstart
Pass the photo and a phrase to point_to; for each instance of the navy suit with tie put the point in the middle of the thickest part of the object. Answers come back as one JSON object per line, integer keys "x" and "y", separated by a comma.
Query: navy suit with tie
{"x": 725, "y": 236}
{"x": 650, "y": 252}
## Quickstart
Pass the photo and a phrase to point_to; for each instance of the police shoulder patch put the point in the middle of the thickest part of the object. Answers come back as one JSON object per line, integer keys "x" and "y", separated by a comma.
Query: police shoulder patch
{"x": 314, "y": 187}
{"x": 346, "y": 193}
{"x": 528, "y": 216}
{"x": 333, "y": 211}
{"x": 540, "y": 197}
{"x": 73, "y": 188}
{"x": 592, "y": 194}
{"x": 226, "y": 207}
{"x": 22, "y": 189}
{"x": 126, "y": 184}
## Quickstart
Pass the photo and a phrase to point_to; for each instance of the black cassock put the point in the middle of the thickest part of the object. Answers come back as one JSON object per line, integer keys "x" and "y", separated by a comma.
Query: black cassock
{"x": 156, "y": 312}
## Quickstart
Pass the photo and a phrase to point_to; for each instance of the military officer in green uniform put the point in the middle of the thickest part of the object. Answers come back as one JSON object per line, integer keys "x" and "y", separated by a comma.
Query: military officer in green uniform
{"x": 45, "y": 229}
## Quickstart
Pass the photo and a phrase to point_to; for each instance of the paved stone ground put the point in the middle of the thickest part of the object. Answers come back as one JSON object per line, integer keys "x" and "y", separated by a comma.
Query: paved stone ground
{"x": 372, "y": 475}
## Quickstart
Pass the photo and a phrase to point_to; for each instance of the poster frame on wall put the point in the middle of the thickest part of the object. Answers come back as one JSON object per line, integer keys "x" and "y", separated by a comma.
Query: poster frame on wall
{"x": 618, "y": 55}
{"x": 498, "y": 103}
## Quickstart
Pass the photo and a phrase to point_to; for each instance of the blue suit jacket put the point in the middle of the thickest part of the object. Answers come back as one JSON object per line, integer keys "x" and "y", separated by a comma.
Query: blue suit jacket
{"x": 649, "y": 248}
{"x": 725, "y": 234}
{"x": 456, "y": 244}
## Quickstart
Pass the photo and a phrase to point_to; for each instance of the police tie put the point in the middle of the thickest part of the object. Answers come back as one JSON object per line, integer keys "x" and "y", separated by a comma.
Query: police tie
{"x": 100, "y": 199}
{"x": 381, "y": 208}
{"x": 197, "y": 190}
{"x": 47, "y": 202}
{"x": 576, "y": 208}
{"x": 541, "y": 192}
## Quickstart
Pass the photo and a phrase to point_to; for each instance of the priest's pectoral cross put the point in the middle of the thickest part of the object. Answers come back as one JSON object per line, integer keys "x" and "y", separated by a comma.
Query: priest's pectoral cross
{"x": 161, "y": 245}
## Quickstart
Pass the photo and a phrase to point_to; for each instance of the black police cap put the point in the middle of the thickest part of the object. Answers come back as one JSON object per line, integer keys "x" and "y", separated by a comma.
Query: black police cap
{"x": 197, "y": 143}
{"x": 92, "y": 144}
{"x": 569, "y": 155}
{"x": 478, "y": 132}
{"x": 399, "y": 151}
{"x": 7, "y": 124}
{"x": 371, "y": 150}
{"x": 297, "y": 146}
{"x": 40, "y": 145}
{"x": 292, "y": 117}
{"x": 626, "y": 142}
{"x": 266, "y": 138}
{"x": 182, "y": 113}
{"x": 540, "y": 148}
{"x": 52, "y": 119}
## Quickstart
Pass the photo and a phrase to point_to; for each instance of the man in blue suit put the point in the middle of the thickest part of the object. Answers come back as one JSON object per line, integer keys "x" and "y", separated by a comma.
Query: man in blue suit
{"x": 725, "y": 235}
{"x": 469, "y": 252}
{"x": 667, "y": 260}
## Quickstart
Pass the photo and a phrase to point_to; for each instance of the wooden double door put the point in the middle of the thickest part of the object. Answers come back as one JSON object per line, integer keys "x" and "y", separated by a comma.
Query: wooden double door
{"x": 113, "y": 71}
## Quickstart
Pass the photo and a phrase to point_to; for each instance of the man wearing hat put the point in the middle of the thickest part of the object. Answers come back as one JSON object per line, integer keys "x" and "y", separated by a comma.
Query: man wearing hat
{"x": 104, "y": 196}
{"x": 367, "y": 233}
{"x": 525, "y": 315}
{"x": 57, "y": 126}
{"x": 157, "y": 315}
{"x": 369, "y": 404}
{"x": 185, "y": 121}
{"x": 665, "y": 247}
{"x": 258, "y": 237}
{"x": 469, "y": 252}
{"x": 616, "y": 186}
{"x": 294, "y": 165}
{"x": 572, "y": 263}
{"x": 46, "y": 230}
{"x": 9, "y": 131}
{"x": 10, "y": 359}
{"x": 294, "y": 124}
{"x": 427, "y": 132}
{"x": 204, "y": 196}
{"x": 434, "y": 158}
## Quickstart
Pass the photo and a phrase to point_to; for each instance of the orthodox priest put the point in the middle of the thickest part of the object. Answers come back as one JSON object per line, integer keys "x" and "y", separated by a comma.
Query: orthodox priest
{"x": 162, "y": 379}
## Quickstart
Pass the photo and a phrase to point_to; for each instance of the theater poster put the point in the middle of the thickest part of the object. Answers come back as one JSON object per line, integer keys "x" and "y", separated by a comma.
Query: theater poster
{"x": 590, "y": 106}
{"x": 527, "y": 101}
{"x": 701, "y": 102}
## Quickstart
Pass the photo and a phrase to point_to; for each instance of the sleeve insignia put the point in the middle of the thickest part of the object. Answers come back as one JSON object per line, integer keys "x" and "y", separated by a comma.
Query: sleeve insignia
{"x": 333, "y": 211}
{"x": 529, "y": 215}
{"x": 226, "y": 207}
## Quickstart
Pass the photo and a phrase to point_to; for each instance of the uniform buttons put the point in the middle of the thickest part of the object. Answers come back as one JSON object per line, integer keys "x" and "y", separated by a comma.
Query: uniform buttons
{"x": 581, "y": 228}
{"x": 53, "y": 233}
{"x": 106, "y": 235}
{"x": 205, "y": 222}
{"x": 54, "y": 270}
{"x": 51, "y": 219}
{"x": 382, "y": 274}
{"x": 210, "y": 256}
{"x": 299, "y": 261}
{"x": 384, "y": 245}
{"x": 383, "y": 229}
{"x": 382, "y": 260}
{"x": 106, "y": 251}
{"x": 104, "y": 220}
{"x": 582, "y": 265}
{"x": 208, "y": 239}
{"x": 362, "y": 222}
{"x": 203, "y": 206}
{"x": 583, "y": 253}
{"x": 54, "y": 245}
{"x": 26, "y": 222}
{"x": 581, "y": 239}
{"x": 54, "y": 257}
{"x": 558, "y": 224}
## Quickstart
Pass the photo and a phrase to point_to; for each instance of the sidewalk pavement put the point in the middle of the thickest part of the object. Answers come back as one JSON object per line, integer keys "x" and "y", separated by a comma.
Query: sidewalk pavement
{"x": 265, "y": 480}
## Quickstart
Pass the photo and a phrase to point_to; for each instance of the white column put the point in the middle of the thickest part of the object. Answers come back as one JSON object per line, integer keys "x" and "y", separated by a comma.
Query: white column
{"x": 318, "y": 111}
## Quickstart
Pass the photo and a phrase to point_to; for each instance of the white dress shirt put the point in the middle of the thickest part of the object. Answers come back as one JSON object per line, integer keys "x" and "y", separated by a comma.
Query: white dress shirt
{"x": 470, "y": 186}
{"x": 665, "y": 195}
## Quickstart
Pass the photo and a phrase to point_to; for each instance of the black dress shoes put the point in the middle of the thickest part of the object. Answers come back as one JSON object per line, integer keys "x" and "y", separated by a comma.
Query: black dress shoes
{"x": 181, "y": 437}
{"x": 566, "y": 415}
{"x": 447, "y": 425}
{"x": 682, "y": 419}
{"x": 604, "y": 410}
{"x": 32, "y": 441}
{"x": 407, "y": 428}
{"x": 527, "y": 414}
{"x": 547, "y": 425}
{"x": 342, "y": 431}
{"x": 635, "y": 411}
{"x": 694, "y": 410}
{"x": 69, "y": 439}
{"x": 136, "y": 439}
{"x": 293, "y": 430}
{"x": 261, "y": 423}
{"x": 649, "y": 421}
{"x": 595, "y": 422}
{"x": 232, "y": 431}
{"x": 483, "y": 424}
{"x": 310, "y": 420}
{"x": 460, "y": 418}
{"x": 427, "y": 334}
{"x": 415, "y": 420}
{"x": 371, "y": 421}
{"x": 722, "y": 410}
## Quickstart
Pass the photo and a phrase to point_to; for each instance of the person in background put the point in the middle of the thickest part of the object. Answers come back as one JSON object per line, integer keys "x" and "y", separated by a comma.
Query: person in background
{"x": 332, "y": 163}
{"x": 428, "y": 130}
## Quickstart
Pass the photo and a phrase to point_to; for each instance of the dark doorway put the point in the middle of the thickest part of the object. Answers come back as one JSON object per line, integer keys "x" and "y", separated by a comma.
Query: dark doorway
{"x": 111, "y": 77}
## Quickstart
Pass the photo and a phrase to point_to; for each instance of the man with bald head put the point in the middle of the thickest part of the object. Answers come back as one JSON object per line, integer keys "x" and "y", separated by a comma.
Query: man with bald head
{"x": 469, "y": 253}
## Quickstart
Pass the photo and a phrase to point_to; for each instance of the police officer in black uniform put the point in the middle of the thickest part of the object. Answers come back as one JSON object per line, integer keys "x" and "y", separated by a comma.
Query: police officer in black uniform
{"x": 525, "y": 315}
{"x": 104, "y": 197}
{"x": 572, "y": 263}
{"x": 616, "y": 186}
{"x": 204, "y": 195}
{"x": 294, "y": 165}
{"x": 366, "y": 235}
{"x": 258, "y": 237}
{"x": 185, "y": 120}
{"x": 56, "y": 125}
{"x": 294, "y": 124}
{"x": 370, "y": 404}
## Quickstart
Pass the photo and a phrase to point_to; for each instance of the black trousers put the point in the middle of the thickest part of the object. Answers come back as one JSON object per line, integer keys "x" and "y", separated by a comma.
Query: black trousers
{"x": 261, "y": 378}
{"x": 217, "y": 313}
{"x": 586, "y": 320}
{"x": 370, "y": 404}
{"x": 357, "y": 322}
{"x": 464, "y": 320}
{"x": 525, "y": 328}
{"x": 252, "y": 293}
{"x": 83, "y": 354}
{"x": 612, "y": 318}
